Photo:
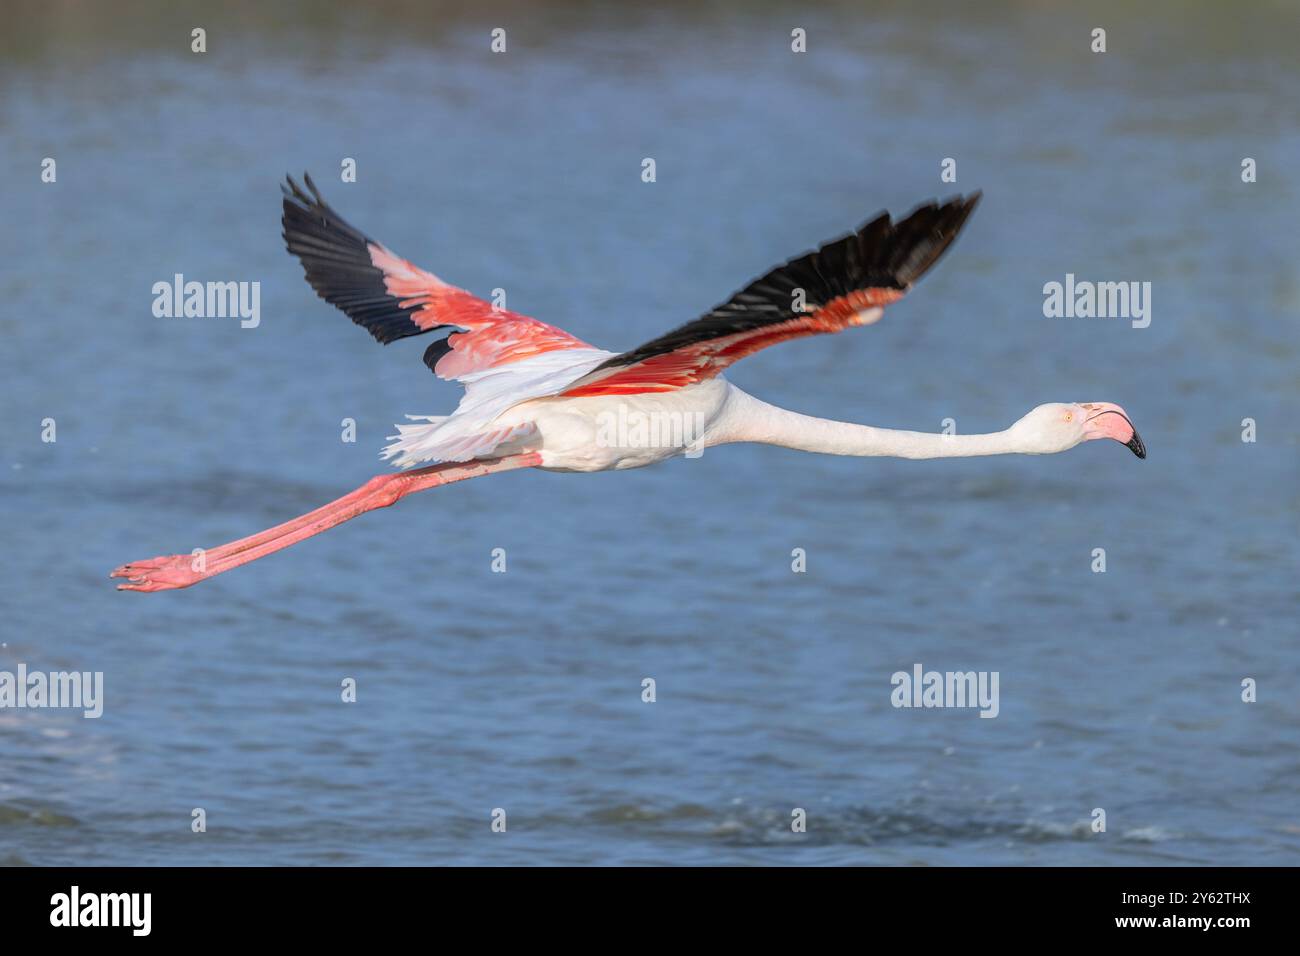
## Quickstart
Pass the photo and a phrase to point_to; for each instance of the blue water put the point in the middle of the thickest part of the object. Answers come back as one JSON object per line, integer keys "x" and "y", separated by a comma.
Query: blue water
{"x": 522, "y": 691}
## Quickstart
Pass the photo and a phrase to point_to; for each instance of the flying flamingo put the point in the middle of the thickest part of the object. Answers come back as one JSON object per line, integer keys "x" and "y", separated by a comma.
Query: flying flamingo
{"x": 536, "y": 397}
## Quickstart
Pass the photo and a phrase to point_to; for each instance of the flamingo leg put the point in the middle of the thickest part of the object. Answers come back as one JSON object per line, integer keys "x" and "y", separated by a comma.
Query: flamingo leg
{"x": 181, "y": 570}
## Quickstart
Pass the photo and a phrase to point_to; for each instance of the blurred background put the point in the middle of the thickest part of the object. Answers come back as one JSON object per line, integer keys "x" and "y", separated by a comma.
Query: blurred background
{"x": 522, "y": 690}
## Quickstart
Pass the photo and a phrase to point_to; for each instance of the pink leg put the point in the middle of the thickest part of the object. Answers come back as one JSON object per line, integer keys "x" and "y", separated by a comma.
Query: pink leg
{"x": 177, "y": 570}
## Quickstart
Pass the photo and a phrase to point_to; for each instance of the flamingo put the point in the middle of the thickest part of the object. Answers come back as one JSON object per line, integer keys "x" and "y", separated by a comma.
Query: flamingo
{"x": 537, "y": 397}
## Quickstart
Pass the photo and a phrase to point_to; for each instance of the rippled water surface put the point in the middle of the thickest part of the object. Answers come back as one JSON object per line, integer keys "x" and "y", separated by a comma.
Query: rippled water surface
{"x": 522, "y": 690}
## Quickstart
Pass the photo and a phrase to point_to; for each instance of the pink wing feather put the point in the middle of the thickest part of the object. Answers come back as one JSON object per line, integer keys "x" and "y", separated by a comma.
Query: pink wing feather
{"x": 392, "y": 299}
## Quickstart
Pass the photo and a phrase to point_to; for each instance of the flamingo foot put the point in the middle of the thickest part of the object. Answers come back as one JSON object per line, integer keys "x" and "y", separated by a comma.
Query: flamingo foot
{"x": 164, "y": 573}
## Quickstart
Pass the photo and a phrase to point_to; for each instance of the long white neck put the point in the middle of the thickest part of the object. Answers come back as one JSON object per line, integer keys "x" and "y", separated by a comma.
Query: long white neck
{"x": 746, "y": 419}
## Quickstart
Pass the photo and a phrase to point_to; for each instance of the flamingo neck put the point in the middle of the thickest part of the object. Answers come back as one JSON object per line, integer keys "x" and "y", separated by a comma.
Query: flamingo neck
{"x": 749, "y": 420}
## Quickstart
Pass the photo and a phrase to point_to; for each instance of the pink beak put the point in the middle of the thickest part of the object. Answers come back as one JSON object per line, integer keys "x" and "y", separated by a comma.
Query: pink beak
{"x": 1110, "y": 421}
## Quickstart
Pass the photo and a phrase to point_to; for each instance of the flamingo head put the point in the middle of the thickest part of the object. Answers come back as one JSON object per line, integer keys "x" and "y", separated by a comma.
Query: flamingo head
{"x": 1059, "y": 426}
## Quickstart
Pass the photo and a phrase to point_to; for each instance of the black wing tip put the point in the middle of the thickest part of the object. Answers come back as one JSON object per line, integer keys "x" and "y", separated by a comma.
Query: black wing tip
{"x": 896, "y": 254}
{"x": 336, "y": 261}
{"x": 297, "y": 197}
{"x": 881, "y": 254}
{"x": 955, "y": 205}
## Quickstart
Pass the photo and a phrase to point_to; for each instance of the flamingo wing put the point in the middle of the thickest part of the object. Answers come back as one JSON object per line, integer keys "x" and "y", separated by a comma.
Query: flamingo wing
{"x": 392, "y": 299}
{"x": 844, "y": 283}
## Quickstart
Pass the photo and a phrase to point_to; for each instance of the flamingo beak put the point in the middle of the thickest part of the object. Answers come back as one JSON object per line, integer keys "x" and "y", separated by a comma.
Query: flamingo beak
{"x": 1110, "y": 421}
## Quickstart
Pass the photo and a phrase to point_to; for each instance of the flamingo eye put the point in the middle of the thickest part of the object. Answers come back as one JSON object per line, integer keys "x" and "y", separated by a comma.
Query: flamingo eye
{"x": 1069, "y": 416}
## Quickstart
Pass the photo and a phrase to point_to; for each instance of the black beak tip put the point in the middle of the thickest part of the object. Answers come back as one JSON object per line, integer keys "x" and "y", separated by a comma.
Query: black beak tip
{"x": 1135, "y": 444}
